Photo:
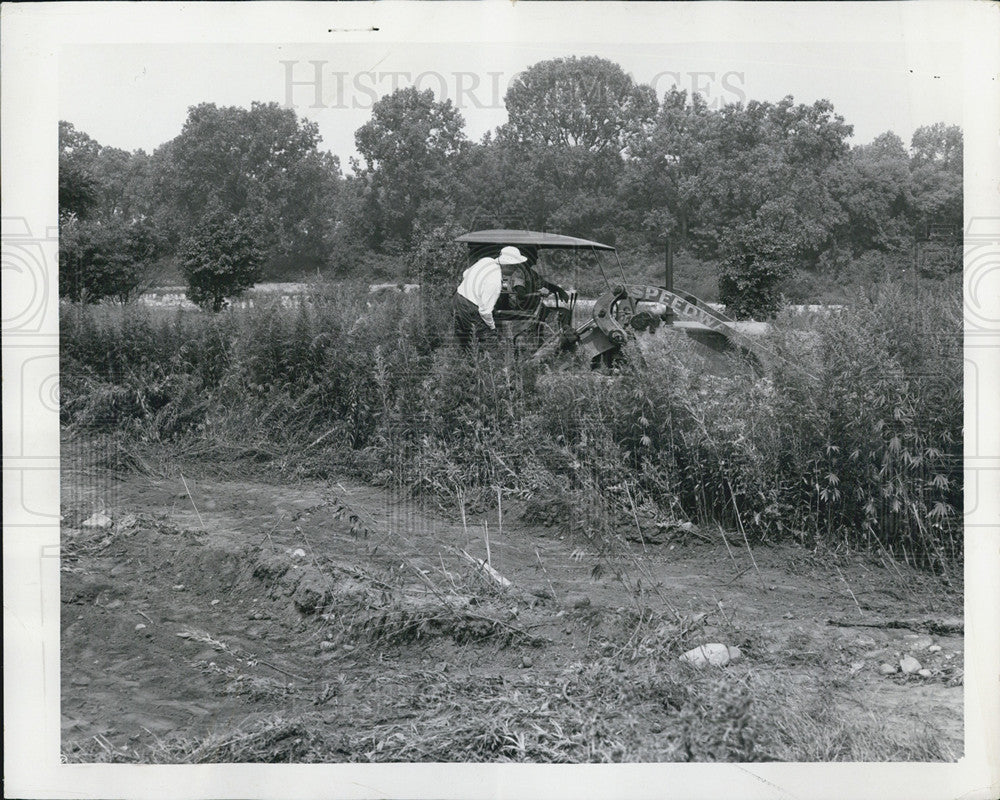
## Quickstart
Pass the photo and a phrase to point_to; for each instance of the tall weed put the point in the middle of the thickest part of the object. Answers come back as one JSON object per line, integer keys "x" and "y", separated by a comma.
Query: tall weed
{"x": 852, "y": 437}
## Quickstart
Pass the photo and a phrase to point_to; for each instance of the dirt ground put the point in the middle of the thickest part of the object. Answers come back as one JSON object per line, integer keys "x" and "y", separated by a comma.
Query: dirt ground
{"x": 345, "y": 623}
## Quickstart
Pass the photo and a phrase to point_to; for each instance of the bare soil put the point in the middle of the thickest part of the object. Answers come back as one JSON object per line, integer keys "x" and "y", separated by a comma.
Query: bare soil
{"x": 334, "y": 621}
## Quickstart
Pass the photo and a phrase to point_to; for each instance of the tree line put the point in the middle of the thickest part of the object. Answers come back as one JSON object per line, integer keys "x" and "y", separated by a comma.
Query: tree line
{"x": 767, "y": 192}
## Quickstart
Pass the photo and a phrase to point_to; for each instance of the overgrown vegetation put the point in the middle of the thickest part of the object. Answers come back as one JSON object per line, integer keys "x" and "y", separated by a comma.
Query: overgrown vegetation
{"x": 853, "y": 438}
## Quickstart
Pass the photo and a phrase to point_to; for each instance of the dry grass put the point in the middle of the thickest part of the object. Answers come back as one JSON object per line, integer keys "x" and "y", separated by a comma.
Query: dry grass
{"x": 593, "y": 713}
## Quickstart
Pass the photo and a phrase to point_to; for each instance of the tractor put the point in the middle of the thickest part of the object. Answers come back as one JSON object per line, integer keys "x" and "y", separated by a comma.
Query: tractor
{"x": 542, "y": 318}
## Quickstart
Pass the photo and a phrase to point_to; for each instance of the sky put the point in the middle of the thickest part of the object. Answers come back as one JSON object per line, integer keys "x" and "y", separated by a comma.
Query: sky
{"x": 136, "y": 96}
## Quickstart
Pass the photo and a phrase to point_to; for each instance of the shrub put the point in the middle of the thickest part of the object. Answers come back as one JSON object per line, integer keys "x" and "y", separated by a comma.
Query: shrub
{"x": 99, "y": 260}
{"x": 755, "y": 260}
{"x": 222, "y": 259}
{"x": 436, "y": 258}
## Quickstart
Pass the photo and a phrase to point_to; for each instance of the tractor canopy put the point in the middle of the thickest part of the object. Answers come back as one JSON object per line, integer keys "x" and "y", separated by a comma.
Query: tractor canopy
{"x": 530, "y": 243}
{"x": 532, "y": 239}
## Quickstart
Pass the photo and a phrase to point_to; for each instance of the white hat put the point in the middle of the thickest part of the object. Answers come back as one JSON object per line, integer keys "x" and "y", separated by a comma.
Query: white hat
{"x": 511, "y": 255}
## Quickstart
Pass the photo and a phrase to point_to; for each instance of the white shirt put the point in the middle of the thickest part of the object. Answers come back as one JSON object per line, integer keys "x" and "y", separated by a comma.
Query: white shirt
{"x": 481, "y": 285}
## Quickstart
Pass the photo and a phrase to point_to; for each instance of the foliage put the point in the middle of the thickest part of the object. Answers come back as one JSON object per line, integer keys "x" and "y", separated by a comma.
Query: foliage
{"x": 853, "y": 438}
{"x": 585, "y": 150}
{"x": 754, "y": 262}
{"x": 436, "y": 258}
{"x": 408, "y": 146}
{"x": 79, "y": 187}
{"x": 936, "y": 169}
{"x": 702, "y": 171}
{"x": 108, "y": 242}
{"x": 261, "y": 162}
{"x": 222, "y": 259}
{"x": 874, "y": 189}
{"x": 587, "y": 102}
{"x": 99, "y": 260}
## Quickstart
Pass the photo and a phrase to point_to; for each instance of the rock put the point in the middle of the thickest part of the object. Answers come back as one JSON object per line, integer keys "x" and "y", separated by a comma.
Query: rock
{"x": 312, "y": 592}
{"x": 909, "y": 665}
{"x": 140, "y": 627}
{"x": 715, "y": 654}
{"x": 924, "y": 673}
{"x": 526, "y": 662}
{"x": 887, "y": 669}
{"x": 857, "y": 666}
{"x": 350, "y": 648}
{"x": 921, "y": 643}
{"x": 787, "y": 615}
{"x": 128, "y": 521}
{"x": 934, "y": 648}
{"x": 298, "y": 552}
{"x": 97, "y": 520}
{"x": 214, "y": 603}
{"x": 578, "y": 600}
{"x": 327, "y": 645}
{"x": 178, "y": 587}
{"x": 270, "y": 568}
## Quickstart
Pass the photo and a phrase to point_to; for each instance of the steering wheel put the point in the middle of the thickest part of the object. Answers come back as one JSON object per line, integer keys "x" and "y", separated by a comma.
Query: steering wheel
{"x": 522, "y": 288}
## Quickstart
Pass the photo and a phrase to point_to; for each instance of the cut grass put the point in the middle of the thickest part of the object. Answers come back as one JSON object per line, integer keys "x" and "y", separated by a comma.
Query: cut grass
{"x": 594, "y": 713}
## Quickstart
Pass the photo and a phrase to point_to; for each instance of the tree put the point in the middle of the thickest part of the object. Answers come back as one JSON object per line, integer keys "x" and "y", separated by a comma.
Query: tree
{"x": 665, "y": 182}
{"x": 437, "y": 257}
{"x": 702, "y": 172}
{"x": 262, "y": 162}
{"x": 107, "y": 239}
{"x": 410, "y": 146}
{"x": 517, "y": 185}
{"x": 936, "y": 173}
{"x": 874, "y": 188}
{"x": 775, "y": 166}
{"x": 97, "y": 182}
{"x": 587, "y": 102}
{"x": 754, "y": 261}
{"x": 79, "y": 190}
{"x": 222, "y": 258}
{"x": 99, "y": 260}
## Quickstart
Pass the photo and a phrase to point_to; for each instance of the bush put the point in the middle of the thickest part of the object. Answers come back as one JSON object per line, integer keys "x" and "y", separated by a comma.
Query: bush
{"x": 222, "y": 259}
{"x": 436, "y": 258}
{"x": 99, "y": 260}
{"x": 755, "y": 260}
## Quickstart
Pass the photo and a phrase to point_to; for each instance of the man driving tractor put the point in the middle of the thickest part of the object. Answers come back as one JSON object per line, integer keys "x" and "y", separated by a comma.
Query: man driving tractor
{"x": 477, "y": 296}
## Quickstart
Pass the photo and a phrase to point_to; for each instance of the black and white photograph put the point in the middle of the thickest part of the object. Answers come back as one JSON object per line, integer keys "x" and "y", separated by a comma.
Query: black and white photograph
{"x": 493, "y": 386}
